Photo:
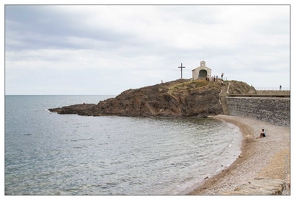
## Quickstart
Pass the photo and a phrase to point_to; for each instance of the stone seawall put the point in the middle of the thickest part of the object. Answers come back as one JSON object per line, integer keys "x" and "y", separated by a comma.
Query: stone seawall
{"x": 273, "y": 110}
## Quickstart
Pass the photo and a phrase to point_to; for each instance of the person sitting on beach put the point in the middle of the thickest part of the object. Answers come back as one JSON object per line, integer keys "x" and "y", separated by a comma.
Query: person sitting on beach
{"x": 262, "y": 134}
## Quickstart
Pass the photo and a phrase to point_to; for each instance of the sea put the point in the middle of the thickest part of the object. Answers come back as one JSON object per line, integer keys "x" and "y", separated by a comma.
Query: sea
{"x": 51, "y": 154}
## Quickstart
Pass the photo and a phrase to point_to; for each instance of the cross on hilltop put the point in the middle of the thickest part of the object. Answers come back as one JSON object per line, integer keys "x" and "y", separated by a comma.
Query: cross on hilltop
{"x": 181, "y": 70}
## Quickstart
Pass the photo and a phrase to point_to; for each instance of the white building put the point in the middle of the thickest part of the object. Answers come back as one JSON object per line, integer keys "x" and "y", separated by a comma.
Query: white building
{"x": 202, "y": 71}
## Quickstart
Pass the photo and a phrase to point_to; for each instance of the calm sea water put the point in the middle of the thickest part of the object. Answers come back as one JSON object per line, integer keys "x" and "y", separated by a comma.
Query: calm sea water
{"x": 51, "y": 154}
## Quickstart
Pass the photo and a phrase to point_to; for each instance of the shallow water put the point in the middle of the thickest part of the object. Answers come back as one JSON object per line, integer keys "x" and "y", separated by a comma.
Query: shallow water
{"x": 51, "y": 154}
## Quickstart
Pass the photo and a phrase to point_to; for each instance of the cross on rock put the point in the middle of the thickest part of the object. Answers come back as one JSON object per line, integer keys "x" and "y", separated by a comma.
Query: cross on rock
{"x": 181, "y": 70}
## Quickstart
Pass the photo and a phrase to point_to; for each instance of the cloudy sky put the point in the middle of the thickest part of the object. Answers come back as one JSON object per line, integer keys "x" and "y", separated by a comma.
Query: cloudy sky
{"x": 106, "y": 49}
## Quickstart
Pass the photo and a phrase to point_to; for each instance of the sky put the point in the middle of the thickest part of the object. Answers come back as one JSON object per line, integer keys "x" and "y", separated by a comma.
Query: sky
{"x": 106, "y": 49}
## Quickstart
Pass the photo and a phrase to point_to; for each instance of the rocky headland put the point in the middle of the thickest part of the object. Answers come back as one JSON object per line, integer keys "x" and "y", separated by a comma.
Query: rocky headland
{"x": 180, "y": 98}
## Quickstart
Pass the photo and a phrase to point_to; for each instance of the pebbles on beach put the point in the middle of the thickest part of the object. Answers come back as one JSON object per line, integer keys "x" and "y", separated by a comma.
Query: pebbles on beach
{"x": 267, "y": 157}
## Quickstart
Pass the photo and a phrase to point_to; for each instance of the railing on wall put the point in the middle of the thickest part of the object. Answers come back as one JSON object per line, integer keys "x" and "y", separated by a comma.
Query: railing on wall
{"x": 272, "y": 88}
{"x": 272, "y": 91}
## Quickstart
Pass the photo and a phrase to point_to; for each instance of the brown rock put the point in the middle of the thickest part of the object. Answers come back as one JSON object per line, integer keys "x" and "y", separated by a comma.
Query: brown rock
{"x": 198, "y": 98}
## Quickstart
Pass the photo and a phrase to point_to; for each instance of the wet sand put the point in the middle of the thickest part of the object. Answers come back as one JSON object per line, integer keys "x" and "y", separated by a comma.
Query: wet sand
{"x": 260, "y": 157}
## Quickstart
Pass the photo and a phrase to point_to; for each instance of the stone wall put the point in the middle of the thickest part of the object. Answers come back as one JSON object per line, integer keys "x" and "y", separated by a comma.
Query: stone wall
{"x": 273, "y": 110}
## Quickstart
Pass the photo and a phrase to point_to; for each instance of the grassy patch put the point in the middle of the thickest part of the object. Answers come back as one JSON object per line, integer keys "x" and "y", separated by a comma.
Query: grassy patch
{"x": 189, "y": 85}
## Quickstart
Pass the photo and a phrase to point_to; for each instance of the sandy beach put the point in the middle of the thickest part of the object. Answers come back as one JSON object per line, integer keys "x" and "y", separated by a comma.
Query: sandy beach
{"x": 267, "y": 157}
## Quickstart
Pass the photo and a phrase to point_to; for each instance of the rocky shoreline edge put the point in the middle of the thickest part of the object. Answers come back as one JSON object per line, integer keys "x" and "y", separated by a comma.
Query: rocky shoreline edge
{"x": 263, "y": 168}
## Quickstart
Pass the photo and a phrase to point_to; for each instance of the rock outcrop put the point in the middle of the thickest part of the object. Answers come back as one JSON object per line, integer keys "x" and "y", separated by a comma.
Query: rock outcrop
{"x": 198, "y": 98}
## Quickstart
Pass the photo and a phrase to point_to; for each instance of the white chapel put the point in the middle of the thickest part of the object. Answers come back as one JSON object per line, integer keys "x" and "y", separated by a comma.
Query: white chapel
{"x": 202, "y": 71}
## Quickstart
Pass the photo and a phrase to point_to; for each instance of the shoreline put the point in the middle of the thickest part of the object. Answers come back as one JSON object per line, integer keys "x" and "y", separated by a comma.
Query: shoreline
{"x": 256, "y": 155}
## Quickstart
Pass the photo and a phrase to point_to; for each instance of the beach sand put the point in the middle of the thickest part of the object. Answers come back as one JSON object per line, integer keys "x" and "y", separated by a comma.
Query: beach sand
{"x": 267, "y": 157}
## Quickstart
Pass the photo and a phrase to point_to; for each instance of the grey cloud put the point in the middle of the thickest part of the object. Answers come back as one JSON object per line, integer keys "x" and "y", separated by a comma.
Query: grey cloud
{"x": 39, "y": 27}
{"x": 145, "y": 46}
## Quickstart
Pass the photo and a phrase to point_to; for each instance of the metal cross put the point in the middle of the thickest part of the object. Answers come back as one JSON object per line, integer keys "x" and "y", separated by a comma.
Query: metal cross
{"x": 181, "y": 69}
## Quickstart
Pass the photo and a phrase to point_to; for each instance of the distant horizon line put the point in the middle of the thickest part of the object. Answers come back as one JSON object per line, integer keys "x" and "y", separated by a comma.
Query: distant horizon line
{"x": 256, "y": 88}
{"x": 60, "y": 94}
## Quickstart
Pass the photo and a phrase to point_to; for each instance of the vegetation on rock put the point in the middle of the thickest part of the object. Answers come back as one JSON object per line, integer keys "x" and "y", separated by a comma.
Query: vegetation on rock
{"x": 198, "y": 98}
